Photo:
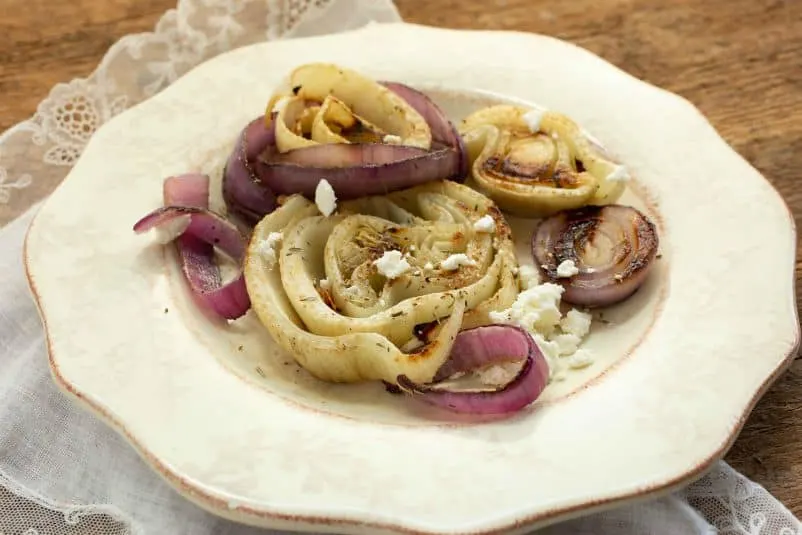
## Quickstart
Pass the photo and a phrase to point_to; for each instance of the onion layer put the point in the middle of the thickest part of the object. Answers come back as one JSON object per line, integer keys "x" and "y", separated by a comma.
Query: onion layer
{"x": 353, "y": 170}
{"x": 612, "y": 247}
{"x": 204, "y": 230}
{"x": 244, "y": 195}
{"x": 443, "y": 130}
{"x": 485, "y": 345}
{"x": 479, "y": 347}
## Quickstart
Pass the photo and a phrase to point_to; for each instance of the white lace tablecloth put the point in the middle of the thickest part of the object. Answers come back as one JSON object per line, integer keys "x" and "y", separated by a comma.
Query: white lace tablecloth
{"x": 62, "y": 472}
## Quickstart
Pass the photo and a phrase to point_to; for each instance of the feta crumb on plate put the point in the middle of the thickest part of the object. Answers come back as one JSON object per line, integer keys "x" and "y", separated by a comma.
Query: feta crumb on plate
{"x": 486, "y": 223}
{"x": 567, "y": 268}
{"x": 576, "y": 322}
{"x": 537, "y": 309}
{"x": 267, "y": 248}
{"x": 325, "y": 199}
{"x": 581, "y": 359}
{"x": 567, "y": 343}
{"x": 533, "y": 118}
{"x": 392, "y": 264}
{"x": 455, "y": 261}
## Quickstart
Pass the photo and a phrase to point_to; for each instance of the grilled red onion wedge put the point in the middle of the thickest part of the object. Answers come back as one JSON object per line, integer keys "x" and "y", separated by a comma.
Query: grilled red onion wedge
{"x": 363, "y": 137}
{"x": 599, "y": 254}
{"x": 243, "y": 194}
{"x": 443, "y": 130}
{"x": 197, "y": 231}
{"x": 479, "y": 347}
{"x": 353, "y": 170}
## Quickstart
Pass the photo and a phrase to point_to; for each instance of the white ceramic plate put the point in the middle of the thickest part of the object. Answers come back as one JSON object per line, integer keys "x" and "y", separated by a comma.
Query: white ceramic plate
{"x": 224, "y": 417}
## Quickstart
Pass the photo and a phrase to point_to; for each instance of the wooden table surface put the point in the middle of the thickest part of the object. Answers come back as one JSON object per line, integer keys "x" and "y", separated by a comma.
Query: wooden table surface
{"x": 739, "y": 61}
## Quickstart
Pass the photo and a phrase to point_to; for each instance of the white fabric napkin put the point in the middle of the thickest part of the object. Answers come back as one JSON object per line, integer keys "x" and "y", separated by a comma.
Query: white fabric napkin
{"x": 63, "y": 472}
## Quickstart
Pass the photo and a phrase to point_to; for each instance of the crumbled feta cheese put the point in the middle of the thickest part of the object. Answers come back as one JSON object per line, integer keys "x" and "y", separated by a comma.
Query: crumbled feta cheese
{"x": 581, "y": 359}
{"x": 576, "y": 322}
{"x": 392, "y": 264}
{"x": 486, "y": 223}
{"x": 619, "y": 174}
{"x": 537, "y": 309}
{"x": 390, "y": 139}
{"x": 267, "y": 248}
{"x": 567, "y": 344}
{"x": 454, "y": 262}
{"x": 533, "y": 118}
{"x": 280, "y": 104}
{"x": 567, "y": 268}
{"x": 170, "y": 230}
{"x": 325, "y": 284}
{"x": 550, "y": 351}
{"x": 499, "y": 374}
{"x": 429, "y": 266}
{"x": 529, "y": 277}
{"x": 413, "y": 344}
{"x": 325, "y": 199}
{"x": 500, "y": 316}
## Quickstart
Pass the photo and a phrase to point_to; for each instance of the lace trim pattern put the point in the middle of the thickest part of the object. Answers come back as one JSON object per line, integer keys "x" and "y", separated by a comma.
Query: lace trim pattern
{"x": 734, "y": 505}
{"x": 27, "y": 513}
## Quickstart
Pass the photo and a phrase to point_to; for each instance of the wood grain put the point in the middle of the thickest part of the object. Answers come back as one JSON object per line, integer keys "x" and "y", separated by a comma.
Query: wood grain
{"x": 739, "y": 61}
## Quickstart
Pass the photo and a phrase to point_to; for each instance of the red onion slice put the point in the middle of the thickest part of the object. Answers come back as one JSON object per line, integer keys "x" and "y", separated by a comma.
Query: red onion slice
{"x": 374, "y": 169}
{"x": 205, "y": 224}
{"x": 481, "y": 346}
{"x": 196, "y": 243}
{"x": 443, "y": 130}
{"x": 197, "y": 256}
{"x": 360, "y": 169}
{"x": 244, "y": 195}
{"x": 612, "y": 247}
